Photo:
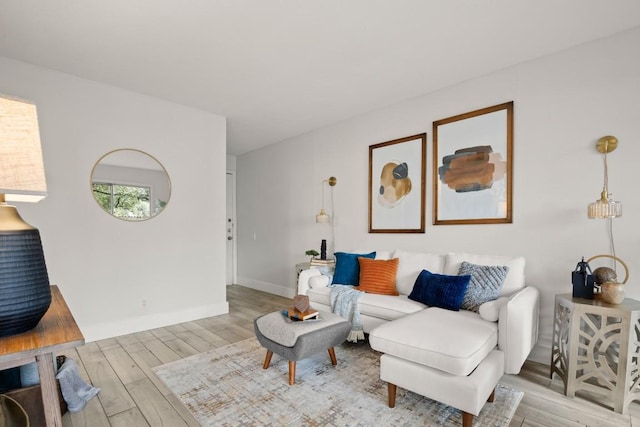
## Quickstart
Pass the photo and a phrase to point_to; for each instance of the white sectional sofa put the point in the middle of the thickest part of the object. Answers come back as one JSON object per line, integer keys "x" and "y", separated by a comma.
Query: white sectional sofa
{"x": 456, "y": 357}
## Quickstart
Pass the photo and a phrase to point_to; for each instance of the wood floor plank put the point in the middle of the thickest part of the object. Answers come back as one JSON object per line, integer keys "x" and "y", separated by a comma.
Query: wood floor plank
{"x": 182, "y": 410}
{"x": 516, "y": 421}
{"x": 194, "y": 340}
{"x": 108, "y": 344}
{"x": 130, "y": 343}
{"x": 156, "y": 409}
{"x": 164, "y": 334}
{"x": 160, "y": 350}
{"x": 92, "y": 415}
{"x": 130, "y": 418}
{"x": 146, "y": 361}
{"x": 113, "y": 395}
{"x": 181, "y": 348}
{"x": 213, "y": 339}
{"x": 124, "y": 366}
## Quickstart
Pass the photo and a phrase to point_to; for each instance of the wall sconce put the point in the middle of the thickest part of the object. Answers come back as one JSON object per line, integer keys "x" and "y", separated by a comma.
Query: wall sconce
{"x": 323, "y": 217}
{"x": 605, "y": 207}
{"x": 25, "y": 294}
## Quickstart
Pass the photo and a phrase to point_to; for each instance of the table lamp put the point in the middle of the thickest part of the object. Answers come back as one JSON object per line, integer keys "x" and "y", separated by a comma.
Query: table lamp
{"x": 25, "y": 294}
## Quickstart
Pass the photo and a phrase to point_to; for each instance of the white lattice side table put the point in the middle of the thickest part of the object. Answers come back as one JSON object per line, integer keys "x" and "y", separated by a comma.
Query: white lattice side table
{"x": 596, "y": 348}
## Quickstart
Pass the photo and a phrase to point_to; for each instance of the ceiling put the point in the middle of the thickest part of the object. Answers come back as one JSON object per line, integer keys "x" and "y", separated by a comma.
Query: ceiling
{"x": 280, "y": 68}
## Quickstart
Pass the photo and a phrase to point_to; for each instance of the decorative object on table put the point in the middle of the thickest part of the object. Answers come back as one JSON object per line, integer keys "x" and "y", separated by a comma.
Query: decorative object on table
{"x": 301, "y": 302}
{"x": 611, "y": 291}
{"x": 24, "y": 282}
{"x": 295, "y": 314}
{"x": 317, "y": 262}
{"x": 605, "y": 207}
{"x": 397, "y": 185}
{"x": 582, "y": 279}
{"x": 312, "y": 253}
{"x": 323, "y": 249}
{"x": 323, "y": 217}
{"x": 473, "y": 167}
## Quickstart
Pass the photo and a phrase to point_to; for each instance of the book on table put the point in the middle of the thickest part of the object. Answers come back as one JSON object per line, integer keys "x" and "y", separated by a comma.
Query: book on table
{"x": 294, "y": 314}
{"x": 322, "y": 262}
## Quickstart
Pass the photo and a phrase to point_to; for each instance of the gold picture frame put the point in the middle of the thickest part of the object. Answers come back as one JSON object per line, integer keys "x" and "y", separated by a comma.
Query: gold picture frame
{"x": 397, "y": 185}
{"x": 473, "y": 167}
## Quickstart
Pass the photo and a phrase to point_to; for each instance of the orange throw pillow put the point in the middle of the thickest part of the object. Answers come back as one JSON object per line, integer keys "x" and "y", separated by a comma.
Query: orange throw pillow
{"x": 378, "y": 276}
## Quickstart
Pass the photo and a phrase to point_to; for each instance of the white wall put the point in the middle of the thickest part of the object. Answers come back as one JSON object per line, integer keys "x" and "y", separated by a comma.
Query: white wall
{"x": 563, "y": 104}
{"x": 106, "y": 267}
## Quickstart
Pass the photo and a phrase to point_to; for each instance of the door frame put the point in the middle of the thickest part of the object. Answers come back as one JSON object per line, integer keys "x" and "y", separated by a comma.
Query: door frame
{"x": 234, "y": 245}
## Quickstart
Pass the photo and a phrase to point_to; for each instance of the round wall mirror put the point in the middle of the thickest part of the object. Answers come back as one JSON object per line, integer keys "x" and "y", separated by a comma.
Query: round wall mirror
{"x": 130, "y": 184}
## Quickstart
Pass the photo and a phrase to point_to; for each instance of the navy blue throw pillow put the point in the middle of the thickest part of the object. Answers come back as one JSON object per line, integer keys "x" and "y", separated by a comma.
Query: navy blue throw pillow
{"x": 440, "y": 290}
{"x": 348, "y": 269}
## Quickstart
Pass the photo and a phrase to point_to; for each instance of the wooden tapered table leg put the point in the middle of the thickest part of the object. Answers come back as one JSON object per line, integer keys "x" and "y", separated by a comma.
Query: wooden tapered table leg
{"x": 292, "y": 372}
{"x": 392, "y": 394}
{"x": 267, "y": 359}
{"x": 332, "y": 355}
{"x": 492, "y": 396}
{"x": 467, "y": 419}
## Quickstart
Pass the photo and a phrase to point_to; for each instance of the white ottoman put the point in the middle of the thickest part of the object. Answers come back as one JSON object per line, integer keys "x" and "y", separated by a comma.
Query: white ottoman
{"x": 444, "y": 355}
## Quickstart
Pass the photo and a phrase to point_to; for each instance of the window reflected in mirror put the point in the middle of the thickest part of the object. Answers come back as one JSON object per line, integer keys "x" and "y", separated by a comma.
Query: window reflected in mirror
{"x": 130, "y": 185}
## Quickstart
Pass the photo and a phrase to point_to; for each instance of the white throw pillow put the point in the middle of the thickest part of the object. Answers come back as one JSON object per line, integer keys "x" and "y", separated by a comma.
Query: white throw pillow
{"x": 411, "y": 265}
{"x": 490, "y": 310}
{"x": 319, "y": 281}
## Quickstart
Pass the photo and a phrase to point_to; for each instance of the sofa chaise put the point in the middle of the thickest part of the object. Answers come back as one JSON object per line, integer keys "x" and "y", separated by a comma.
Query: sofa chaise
{"x": 453, "y": 356}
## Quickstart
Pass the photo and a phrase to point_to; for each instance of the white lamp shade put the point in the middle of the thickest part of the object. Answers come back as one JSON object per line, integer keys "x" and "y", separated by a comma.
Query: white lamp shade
{"x": 322, "y": 217}
{"x": 22, "y": 176}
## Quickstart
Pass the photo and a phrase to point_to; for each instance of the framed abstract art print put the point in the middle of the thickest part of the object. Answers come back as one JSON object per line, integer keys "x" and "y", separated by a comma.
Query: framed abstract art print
{"x": 397, "y": 185}
{"x": 473, "y": 167}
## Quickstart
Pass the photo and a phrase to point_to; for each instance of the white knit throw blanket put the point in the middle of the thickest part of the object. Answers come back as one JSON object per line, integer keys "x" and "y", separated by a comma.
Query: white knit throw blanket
{"x": 344, "y": 302}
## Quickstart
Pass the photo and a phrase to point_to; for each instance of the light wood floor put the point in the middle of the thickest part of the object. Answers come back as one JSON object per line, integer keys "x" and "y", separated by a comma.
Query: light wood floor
{"x": 133, "y": 396}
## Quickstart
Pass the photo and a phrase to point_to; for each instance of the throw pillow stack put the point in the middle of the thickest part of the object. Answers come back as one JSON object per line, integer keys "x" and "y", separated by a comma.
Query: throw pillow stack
{"x": 476, "y": 287}
{"x": 473, "y": 286}
{"x": 367, "y": 273}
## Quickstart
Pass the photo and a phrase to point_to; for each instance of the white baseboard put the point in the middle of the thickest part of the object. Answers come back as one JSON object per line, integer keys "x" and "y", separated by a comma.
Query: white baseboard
{"x": 156, "y": 320}
{"x": 283, "y": 291}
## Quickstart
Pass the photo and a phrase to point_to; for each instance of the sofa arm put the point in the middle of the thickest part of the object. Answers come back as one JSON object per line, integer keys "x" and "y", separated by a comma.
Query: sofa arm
{"x": 518, "y": 327}
{"x": 303, "y": 279}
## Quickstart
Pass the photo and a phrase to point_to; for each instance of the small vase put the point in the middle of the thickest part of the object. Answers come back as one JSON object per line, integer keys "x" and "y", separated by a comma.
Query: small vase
{"x": 612, "y": 292}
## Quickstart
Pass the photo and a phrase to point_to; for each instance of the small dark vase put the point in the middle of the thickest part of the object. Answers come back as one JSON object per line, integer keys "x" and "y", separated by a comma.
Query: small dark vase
{"x": 323, "y": 249}
{"x": 25, "y": 294}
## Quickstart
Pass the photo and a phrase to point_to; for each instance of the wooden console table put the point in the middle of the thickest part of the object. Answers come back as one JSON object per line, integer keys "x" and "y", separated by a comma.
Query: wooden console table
{"x": 56, "y": 331}
{"x": 596, "y": 348}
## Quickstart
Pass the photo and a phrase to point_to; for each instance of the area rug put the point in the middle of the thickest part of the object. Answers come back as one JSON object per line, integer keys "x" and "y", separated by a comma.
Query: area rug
{"x": 228, "y": 387}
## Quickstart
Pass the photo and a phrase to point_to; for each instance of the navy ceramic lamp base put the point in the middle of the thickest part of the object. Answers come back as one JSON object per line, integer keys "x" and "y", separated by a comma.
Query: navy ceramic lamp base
{"x": 25, "y": 294}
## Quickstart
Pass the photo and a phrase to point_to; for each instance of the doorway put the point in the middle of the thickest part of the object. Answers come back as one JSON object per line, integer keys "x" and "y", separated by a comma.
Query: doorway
{"x": 230, "y": 227}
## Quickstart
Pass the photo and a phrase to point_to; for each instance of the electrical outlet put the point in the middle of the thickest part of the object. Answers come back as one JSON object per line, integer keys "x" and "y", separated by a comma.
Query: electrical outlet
{"x": 143, "y": 303}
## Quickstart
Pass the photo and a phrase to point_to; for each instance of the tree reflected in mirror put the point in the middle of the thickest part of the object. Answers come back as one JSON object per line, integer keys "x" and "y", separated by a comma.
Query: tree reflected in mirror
{"x": 130, "y": 185}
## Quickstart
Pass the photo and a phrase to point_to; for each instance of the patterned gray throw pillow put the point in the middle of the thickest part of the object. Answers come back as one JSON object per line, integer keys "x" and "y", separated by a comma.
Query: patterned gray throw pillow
{"x": 485, "y": 285}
